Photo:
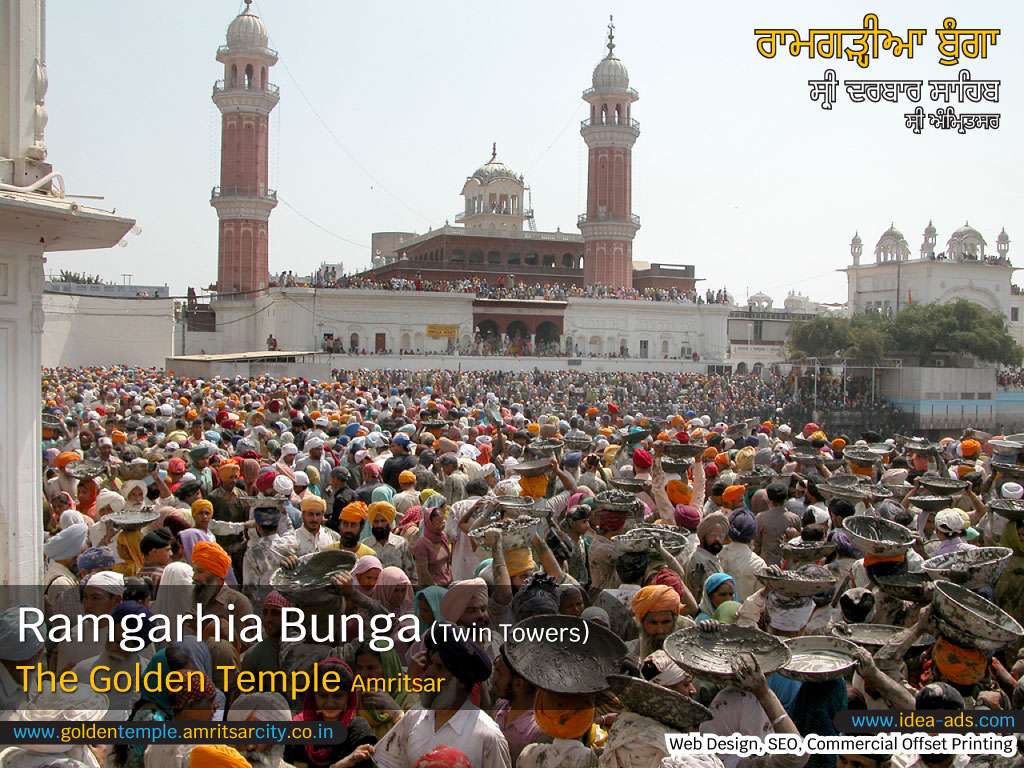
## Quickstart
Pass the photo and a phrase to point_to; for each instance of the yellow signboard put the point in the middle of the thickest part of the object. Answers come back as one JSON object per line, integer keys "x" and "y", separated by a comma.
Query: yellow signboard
{"x": 442, "y": 331}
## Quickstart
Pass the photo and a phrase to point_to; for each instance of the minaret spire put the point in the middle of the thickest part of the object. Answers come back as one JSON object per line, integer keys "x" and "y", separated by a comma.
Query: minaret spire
{"x": 611, "y": 35}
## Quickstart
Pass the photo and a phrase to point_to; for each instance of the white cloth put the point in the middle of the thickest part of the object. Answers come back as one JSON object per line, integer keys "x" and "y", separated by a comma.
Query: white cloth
{"x": 736, "y": 711}
{"x": 743, "y": 564}
{"x": 464, "y": 559}
{"x": 560, "y": 753}
{"x": 470, "y": 730}
{"x": 301, "y": 542}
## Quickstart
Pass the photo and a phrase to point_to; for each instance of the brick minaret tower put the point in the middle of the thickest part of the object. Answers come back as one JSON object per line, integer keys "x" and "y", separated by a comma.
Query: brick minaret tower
{"x": 243, "y": 201}
{"x": 609, "y": 226}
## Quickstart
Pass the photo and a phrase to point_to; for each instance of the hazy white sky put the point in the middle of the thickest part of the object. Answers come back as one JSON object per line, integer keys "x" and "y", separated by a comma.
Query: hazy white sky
{"x": 736, "y": 171}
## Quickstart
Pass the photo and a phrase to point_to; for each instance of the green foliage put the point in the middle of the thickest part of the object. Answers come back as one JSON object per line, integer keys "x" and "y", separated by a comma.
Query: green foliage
{"x": 919, "y": 330}
{"x": 77, "y": 277}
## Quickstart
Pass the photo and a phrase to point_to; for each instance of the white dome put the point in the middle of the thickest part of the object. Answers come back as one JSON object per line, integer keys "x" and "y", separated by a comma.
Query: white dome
{"x": 893, "y": 233}
{"x": 967, "y": 231}
{"x": 1003, "y": 237}
{"x": 930, "y": 229}
{"x": 247, "y": 31}
{"x": 494, "y": 169}
{"x": 611, "y": 73}
{"x": 856, "y": 239}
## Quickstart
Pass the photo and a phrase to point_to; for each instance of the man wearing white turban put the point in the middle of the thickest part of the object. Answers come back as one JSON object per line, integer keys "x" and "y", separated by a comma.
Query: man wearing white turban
{"x": 15, "y": 652}
{"x": 264, "y": 707}
{"x": 60, "y": 585}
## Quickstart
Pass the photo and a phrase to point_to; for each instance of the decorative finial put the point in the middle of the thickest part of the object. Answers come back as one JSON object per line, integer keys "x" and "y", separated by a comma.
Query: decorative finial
{"x": 611, "y": 34}
{"x": 248, "y": 4}
{"x": 494, "y": 151}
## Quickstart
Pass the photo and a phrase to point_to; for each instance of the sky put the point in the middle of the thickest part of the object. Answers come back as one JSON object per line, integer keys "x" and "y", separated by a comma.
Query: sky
{"x": 386, "y": 108}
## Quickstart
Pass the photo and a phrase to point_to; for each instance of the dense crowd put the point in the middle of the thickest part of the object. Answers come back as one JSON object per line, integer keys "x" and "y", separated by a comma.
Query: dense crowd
{"x": 633, "y": 518}
{"x": 500, "y": 290}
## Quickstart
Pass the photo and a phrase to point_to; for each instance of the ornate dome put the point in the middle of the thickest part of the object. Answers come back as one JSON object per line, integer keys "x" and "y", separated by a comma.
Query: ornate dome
{"x": 892, "y": 232}
{"x": 494, "y": 169}
{"x": 247, "y": 31}
{"x": 856, "y": 239}
{"x": 930, "y": 229}
{"x": 1003, "y": 237}
{"x": 611, "y": 73}
{"x": 967, "y": 231}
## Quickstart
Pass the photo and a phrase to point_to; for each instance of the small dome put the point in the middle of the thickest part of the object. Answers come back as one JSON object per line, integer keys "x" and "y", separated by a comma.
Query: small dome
{"x": 1003, "y": 237}
{"x": 856, "y": 239}
{"x": 247, "y": 31}
{"x": 893, "y": 233}
{"x": 611, "y": 73}
{"x": 967, "y": 231}
{"x": 930, "y": 229}
{"x": 494, "y": 169}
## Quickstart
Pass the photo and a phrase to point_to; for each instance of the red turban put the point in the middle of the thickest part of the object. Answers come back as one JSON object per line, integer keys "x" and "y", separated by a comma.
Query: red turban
{"x": 642, "y": 459}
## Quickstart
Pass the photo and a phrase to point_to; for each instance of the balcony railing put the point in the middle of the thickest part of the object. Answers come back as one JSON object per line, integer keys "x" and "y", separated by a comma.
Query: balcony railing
{"x": 630, "y": 123}
{"x": 259, "y": 191}
{"x": 527, "y": 214}
{"x": 585, "y": 219}
{"x": 223, "y": 87}
{"x": 229, "y": 49}
{"x": 631, "y": 91}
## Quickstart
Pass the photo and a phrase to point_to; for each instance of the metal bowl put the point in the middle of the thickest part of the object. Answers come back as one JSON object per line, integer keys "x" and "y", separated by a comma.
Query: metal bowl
{"x": 970, "y": 568}
{"x": 432, "y": 425}
{"x": 636, "y": 436}
{"x": 86, "y": 469}
{"x": 833, "y": 464}
{"x": 574, "y": 656}
{"x": 685, "y": 450}
{"x": 676, "y": 466}
{"x": 132, "y": 521}
{"x": 547, "y": 448}
{"x": 133, "y": 471}
{"x": 516, "y": 505}
{"x": 1006, "y": 447}
{"x": 943, "y": 486}
{"x": 796, "y": 584}
{"x": 618, "y": 501}
{"x": 852, "y": 492}
{"x": 931, "y": 503}
{"x": 968, "y": 619}
{"x": 877, "y": 536}
{"x": 533, "y": 468}
{"x": 578, "y": 443}
{"x": 515, "y": 534}
{"x": 758, "y": 477}
{"x": 874, "y": 636}
{"x": 710, "y": 655}
{"x": 628, "y": 484}
{"x": 808, "y": 551}
{"x": 818, "y": 658}
{"x": 806, "y": 459}
{"x": 50, "y": 421}
{"x": 312, "y": 572}
{"x": 881, "y": 449}
{"x": 635, "y": 542}
{"x": 880, "y": 492}
{"x": 922, "y": 447}
{"x": 1013, "y": 471}
{"x": 914, "y": 586}
{"x": 1011, "y": 509}
{"x": 863, "y": 457}
{"x": 672, "y": 539}
{"x": 662, "y": 704}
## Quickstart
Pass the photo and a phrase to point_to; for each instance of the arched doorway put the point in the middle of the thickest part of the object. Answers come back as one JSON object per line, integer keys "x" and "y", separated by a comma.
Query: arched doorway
{"x": 487, "y": 328}
{"x": 546, "y": 338}
{"x": 353, "y": 342}
{"x": 517, "y": 329}
{"x": 741, "y": 369}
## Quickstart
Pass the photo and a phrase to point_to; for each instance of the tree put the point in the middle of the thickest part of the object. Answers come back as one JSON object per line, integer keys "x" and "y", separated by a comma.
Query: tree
{"x": 961, "y": 327}
{"x": 821, "y": 336}
{"x": 869, "y": 337}
{"x": 77, "y": 277}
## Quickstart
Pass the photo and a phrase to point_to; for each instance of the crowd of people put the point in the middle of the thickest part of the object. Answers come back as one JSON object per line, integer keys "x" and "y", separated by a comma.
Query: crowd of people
{"x": 327, "y": 277}
{"x": 639, "y": 508}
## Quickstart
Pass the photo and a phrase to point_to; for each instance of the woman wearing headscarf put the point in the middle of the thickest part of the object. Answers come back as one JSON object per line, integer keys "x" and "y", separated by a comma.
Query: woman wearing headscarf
{"x": 250, "y": 471}
{"x": 385, "y": 707}
{"x": 718, "y": 588}
{"x": 366, "y": 573}
{"x": 432, "y": 552}
{"x": 194, "y": 703}
{"x": 85, "y": 496}
{"x": 129, "y": 549}
{"x": 154, "y": 703}
{"x": 428, "y": 606}
{"x": 394, "y": 592}
{"x": 339, "y": 706}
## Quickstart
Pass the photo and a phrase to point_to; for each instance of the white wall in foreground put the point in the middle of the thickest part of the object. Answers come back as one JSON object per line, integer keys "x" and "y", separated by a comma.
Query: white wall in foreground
{"x": 88, "y": 330}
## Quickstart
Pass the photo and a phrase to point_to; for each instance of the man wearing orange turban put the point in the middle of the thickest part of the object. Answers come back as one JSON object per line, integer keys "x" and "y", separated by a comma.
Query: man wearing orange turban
{"x": 210, "y": 566}
{"x": 655, "y": 609}
{"x": 63, "y": 482}
{"x": 216, "y": 756}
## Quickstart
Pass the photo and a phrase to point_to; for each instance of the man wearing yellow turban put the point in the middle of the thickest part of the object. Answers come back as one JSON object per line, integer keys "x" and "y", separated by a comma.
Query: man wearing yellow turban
{"x": 392, "y": 550}
{"x": 313, "y": 536}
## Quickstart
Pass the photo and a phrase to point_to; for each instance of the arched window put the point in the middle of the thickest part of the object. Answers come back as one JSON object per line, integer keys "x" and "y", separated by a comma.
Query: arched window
{"x": 531, "y": 259}
{"x": 618, "y": 114}
{"x": 248, "y": 75}
{"x": 513, "y": 259}
{"x": 549, "y": 260}
{"x": 263, "y": 78}
{"x": 604, "y": 114}
{"x": 567, "y": 260}
{"x": 494, "y": 257}
{"x": 234, "y": 75}
{"x": 476, "y": 256}
{"x": 458, "y": 254}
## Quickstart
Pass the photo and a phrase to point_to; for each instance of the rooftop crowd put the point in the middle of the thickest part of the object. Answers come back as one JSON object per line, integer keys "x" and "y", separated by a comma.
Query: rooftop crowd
{"x": 484, "y": 290}
{"x": 170, "y": 496}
